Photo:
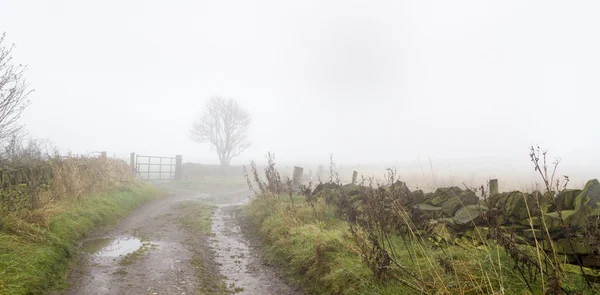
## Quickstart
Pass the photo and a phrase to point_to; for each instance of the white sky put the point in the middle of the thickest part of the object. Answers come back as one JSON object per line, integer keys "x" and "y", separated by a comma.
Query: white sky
{"x": 371, "y": 81}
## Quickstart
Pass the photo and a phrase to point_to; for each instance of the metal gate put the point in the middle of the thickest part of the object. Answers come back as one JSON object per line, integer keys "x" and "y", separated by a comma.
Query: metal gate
{"x": 157, "y": 168}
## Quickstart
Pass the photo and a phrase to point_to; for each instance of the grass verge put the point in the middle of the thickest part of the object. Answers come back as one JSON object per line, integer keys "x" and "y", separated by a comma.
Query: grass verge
{"x": 37, "y": 247}
{"x": 318, "y": 251}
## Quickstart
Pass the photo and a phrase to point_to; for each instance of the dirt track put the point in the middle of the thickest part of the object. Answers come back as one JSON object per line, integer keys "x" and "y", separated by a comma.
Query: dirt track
{"x": 166, "y": 258}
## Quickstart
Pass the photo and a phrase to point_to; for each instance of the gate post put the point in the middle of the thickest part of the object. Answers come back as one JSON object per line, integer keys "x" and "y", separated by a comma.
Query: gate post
{"x": 320, "y": 173}
{"x": 178, "y": 162}
{"x": 297, "y": 177}
{"x": 132, "y": 162}
{"x": 103, "y": 155}
{"x": 354, "y": 176}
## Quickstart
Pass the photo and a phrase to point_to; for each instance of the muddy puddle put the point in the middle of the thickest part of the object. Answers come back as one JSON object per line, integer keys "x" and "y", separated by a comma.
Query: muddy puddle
{"x": 111, "y": 247}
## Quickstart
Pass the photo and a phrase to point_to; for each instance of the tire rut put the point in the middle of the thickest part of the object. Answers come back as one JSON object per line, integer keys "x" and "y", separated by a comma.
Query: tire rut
{"x": 167, "y": 260}
{"x": 162, "y": 267}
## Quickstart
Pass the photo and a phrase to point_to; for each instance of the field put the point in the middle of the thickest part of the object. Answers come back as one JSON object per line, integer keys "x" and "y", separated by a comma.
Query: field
{"x": 366, "y": 239}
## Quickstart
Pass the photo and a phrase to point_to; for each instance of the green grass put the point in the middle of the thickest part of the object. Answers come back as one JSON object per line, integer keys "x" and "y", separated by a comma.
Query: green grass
{"x": 315, "y": 255}
{"x": 35, "y": 258}
{"x": 318, "y": 252}
{"x": 196, "y": 216}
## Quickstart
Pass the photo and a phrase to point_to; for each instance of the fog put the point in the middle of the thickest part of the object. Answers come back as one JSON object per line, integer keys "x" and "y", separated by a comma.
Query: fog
{"x": 453, "y": 89}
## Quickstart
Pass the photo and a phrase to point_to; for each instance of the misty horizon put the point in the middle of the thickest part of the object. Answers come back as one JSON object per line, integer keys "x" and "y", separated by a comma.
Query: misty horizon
{"x": 469, "y": 84}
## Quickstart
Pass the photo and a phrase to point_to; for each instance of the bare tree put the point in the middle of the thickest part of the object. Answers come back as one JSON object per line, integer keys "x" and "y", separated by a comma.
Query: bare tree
{"x": 224, "y": 125}
{"x": 13, "y": 92}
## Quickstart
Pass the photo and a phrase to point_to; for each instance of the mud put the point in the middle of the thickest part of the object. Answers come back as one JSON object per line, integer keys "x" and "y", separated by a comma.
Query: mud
{"x": 124, "y": 261}
{"x": 239, "y": 261}
{"x": 149, "y": 252}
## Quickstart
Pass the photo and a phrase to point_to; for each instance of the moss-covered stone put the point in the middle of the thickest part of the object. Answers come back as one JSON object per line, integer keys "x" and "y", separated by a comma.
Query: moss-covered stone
{"x": 451, "y": 199}
{"x": 532, "y": 234}
{"x": 566, "y": 199}
{"x": 469, "y": 215}
{"x": 400, "y": 186}
{"x": 450, "y": 206}
{"x": 552, "y": 222}
{"x": 547, "y": 202}
{"x": 442, "y": 195}
{"x": 428, "y": 210}
{"x": 580, "y": 245}
{"x": 427, "y": 207}
{"x": 350, "y": 189}
{"x": 497, "y": 200}
{"x": 418, "y": 197}
{"x": 427, "y": 198}
{"x": 579, "y": 220}
{"x": 589, "y": 196}
{"x": 587, "y": 206}
{"x": 520, "y": 206}
{"x": 564, "y": 213}
{"x": 326, "y": 185}
{"x": 400, "y": 192}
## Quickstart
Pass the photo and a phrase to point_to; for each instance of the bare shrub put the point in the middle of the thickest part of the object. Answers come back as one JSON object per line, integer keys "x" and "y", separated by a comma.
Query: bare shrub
{"x": 22, "y": 150}
{"x": 74, "y": 177}
{"x": 33, "y": 177}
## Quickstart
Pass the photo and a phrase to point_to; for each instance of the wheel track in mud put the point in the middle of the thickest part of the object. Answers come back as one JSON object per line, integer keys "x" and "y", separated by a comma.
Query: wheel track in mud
{"x": 165, "y": 265}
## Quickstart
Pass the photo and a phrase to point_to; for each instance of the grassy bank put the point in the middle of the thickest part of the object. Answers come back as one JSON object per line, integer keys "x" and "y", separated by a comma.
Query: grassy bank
{"x": 319, "y": 251}
{"x": 37, "y": 246}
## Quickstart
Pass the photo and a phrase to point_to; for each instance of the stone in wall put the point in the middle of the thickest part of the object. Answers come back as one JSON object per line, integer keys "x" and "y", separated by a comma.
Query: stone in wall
{"x": 418, "y": 197}
{"x": 566, "y": 199}
{"x": 451, "y": 199}
{"x": 470, "y": 215}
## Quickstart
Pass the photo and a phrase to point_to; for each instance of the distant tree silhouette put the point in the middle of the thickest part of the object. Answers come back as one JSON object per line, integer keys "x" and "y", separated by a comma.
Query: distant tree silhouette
{"x": 224, "y": 124}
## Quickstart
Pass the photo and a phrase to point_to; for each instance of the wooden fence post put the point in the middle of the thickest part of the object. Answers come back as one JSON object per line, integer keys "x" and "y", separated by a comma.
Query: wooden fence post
{"x": 354, "y": 176}
{"x": 320, "y": 172}
{"x": 132, "y": 162}
{"x": 493, "y": 186}
{"x": 178, "y": 162}
{"x": 297, "y": 177}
